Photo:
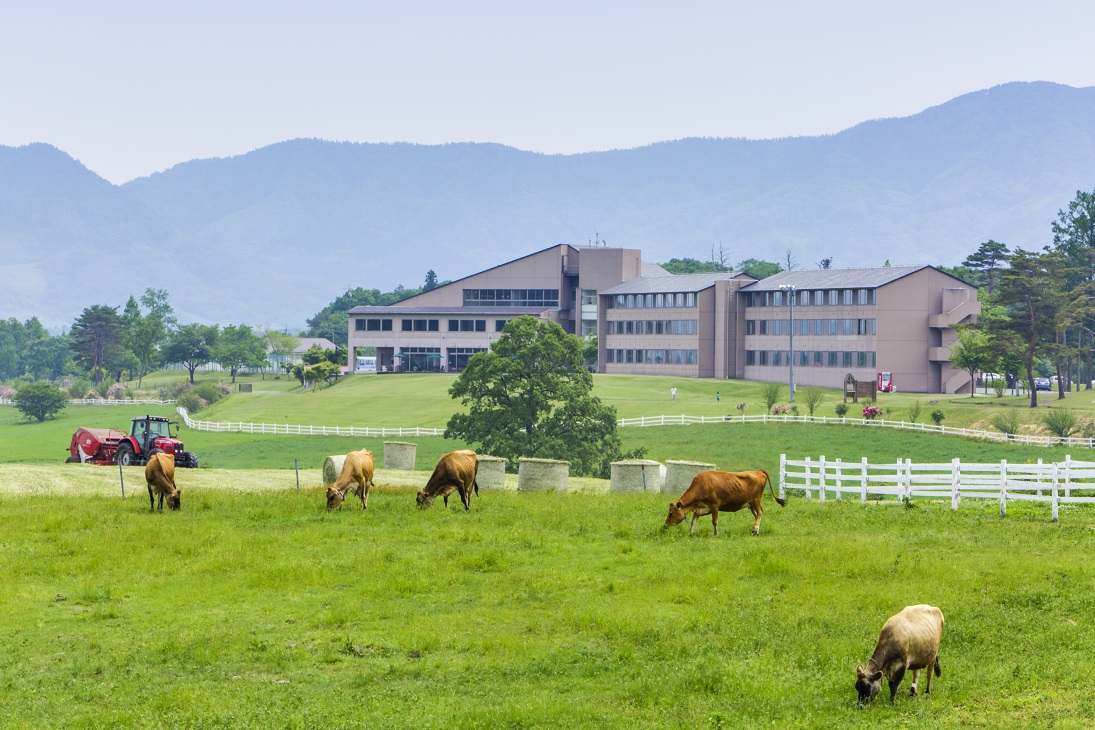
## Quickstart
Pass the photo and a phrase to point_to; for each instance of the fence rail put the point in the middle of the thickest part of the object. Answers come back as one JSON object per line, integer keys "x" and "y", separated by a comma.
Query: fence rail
{"x": 1031, "y": 439}
{"x": 293, "y": 430}
{"x": 1056, "y": 483}
{"x": 106, "y": 402}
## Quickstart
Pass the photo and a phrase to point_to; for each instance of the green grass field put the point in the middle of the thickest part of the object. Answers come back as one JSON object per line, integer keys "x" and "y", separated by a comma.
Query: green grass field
{"x": 533, "y": 611}
{"x": 254, "y": 607}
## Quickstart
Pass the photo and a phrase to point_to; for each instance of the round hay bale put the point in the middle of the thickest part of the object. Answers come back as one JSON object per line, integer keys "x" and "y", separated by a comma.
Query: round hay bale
{"x": 332, "y": 467}
{"x": 679, "y": 474}
{"x": 540, "y": 474}
{"x": 399, "y": 455}
{"x": 492, "y": 472}
{"x": 636, "y": 475}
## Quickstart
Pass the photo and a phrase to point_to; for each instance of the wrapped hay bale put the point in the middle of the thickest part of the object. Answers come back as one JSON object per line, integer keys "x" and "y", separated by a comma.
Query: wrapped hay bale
{"x": 332, "y": 467}
{"x": 540, "y": 474}
{"x": 679, "y": 474}
{"x": 637, "y": 475}
{"x": 399, "y": 455}
{"x": 492, "y": 472}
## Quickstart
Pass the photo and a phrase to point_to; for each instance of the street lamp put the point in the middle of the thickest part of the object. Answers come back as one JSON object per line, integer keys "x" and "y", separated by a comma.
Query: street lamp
{"x": 789, "y": 290}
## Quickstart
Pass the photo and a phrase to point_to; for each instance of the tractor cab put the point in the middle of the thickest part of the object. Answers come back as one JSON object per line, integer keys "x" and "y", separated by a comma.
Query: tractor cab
{"x": 149, "y": 433}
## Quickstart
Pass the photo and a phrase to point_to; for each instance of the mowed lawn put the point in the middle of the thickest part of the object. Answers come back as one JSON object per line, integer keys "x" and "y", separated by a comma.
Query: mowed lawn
{"x": 534, "y": 610}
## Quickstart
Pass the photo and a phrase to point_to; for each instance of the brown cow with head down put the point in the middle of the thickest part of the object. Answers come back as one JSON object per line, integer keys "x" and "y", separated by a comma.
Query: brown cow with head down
{"x": 909, "y": 640}
{"x": 356, "y": 470}
{"x": 712, "y": 492}
{"x": 454, "y": 472}
{"x": 159, "y": 472}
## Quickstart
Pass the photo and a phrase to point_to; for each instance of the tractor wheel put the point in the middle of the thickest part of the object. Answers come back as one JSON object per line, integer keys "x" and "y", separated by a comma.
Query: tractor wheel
{"x": 124, "y": 456}
{"x": 191, "y": 460}
{"x": 72, "y": 460}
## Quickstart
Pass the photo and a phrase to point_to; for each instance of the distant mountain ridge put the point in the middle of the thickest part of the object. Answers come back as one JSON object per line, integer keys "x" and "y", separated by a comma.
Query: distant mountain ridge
{"x": 271, "y": 236}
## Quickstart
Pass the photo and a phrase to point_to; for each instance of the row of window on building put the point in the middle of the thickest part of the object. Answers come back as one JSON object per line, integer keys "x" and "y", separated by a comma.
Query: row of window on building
{"x": 811, "y": 327}
{"x": 511, "y": 297}
{"x": 652, "y": 357}
{"x": 652, "y": 327}
{"x": 811, "y": 297}
{"x": 363, "y": 324}
{"x": 812, "y": 358}
{"x": 665, "y": 300}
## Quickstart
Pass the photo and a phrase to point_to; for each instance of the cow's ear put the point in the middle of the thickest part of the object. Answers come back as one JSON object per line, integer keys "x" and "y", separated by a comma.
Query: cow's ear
{"x": 680, "y": 504}
{"x": 859, "y": 670}
{"x": 877, "y": 676}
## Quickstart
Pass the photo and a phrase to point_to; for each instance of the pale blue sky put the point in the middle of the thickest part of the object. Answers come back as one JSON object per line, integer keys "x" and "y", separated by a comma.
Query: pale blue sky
{"x": 131, "y": 88}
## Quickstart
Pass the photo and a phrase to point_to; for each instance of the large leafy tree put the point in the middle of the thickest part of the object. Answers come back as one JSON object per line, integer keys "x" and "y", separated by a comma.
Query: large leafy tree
{"x": 191, "y": 345}
{"x": 1074, "y": 239}
{"x": 1031, "y": 292}
{"x": 530, "y": 395}
{"x": 972, "y": 353}
{"x": 16, "y": 341}
{"x": 48, "y": 358}
{"x": 238, "y": 347}
{"x": 692, "y": 266}
{"x": 40, "y": 400}
{"x": 759, "y": 269}
{"x": 98, "y": 336}
{"x": 987, "y": 260}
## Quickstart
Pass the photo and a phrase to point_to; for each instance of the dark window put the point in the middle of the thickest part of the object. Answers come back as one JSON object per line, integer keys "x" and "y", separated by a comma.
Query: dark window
{"x": 408, "y": 325}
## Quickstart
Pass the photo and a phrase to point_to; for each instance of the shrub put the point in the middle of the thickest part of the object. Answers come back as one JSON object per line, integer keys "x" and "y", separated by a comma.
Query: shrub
{"x": 937, "y": 417}
{"x": 7, "y": 392}
{"x": 871, "y": 412}
{"x": 1060, "y": 422}
{"x": 914, "y": 410}
{"x": 191, "y": 401}
{"x": 999, "y": 386}
{"x": 211, "y": 392}
{"x": 841, "y": 409}
{"x": 1087, "y": 430}
{"x": 771, "y": 393}
{"x": 117, "y": 391}
{"x": 1006, "y": 422}
{"x": 779, "y": 410}
{"x": 78, "y": 387}
{"x": 812, "y": 397}
{"x": 742, "y": 407}
{"x": 40, "y": 400}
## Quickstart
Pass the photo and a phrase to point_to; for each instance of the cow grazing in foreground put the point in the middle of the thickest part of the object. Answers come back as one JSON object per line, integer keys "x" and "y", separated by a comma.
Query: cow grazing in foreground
{"x": 712, "y": 492}
{"x": 455, "y": 472}
{"x": 909, "y": 640}
{"x": 356, "y": 470}
{"x": 159, "y": 472}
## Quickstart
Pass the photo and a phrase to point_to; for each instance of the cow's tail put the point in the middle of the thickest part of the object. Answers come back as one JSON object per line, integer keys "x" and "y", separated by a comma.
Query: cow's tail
{"x": 780, "y": 502}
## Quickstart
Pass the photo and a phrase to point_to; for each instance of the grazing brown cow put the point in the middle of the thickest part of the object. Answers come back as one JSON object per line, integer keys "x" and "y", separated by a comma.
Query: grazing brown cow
{"x": 159, "y": 472}
{"x": 455, "y": 472}
{"x": 909, "y": 640}
{"x": 356, "y": 470}
{"x": 712, "y": 492}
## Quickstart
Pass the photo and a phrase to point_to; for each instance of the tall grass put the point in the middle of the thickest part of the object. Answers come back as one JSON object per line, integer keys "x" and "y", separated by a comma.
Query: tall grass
{"x": 533, "y": 610}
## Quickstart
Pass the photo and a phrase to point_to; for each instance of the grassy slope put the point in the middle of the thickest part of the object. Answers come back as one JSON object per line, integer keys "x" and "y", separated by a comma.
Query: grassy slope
{"x": 533, "y": 610}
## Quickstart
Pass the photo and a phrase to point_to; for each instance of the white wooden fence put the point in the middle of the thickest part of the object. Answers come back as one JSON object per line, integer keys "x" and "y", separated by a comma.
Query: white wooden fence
{"x": 1019, "y": 438}
{"x": 287, "y": 429}
{"x": 1067, "y": 482}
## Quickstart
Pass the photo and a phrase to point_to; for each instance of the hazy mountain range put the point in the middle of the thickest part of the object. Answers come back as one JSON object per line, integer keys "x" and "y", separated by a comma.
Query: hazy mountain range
{"x": 271, "y": 236}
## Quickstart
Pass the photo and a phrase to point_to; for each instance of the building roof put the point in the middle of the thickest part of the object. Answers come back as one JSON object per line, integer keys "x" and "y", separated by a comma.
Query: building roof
{"x": 649, "y": 269}
{"x": 673, "y": 283}
{"x": 306, "y": 343}
{"x": 396, "y": 309}
{"x": 865, "y": 278}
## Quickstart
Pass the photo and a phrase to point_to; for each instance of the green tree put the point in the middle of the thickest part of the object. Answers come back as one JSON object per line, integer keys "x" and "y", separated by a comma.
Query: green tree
{"x": 589, "y": 350}
{"x": 972, "y": 352}
{"x": 239, "y": 347}
{"x": 319, "y": 373}
{"x": 333, "y": 321}
{"x": 530, "y": 395}
{"x": 191, "y": 345}
{"x": 1074, "y": 238}
{"x": 48, "y": 358}
{"x": 759, "y": 269}
{"x": 431, "y": 281}
{"x": 98, "y": 335}
{"x": 986, "y": 260}
{"x": 692, "y": 266}
{"x": 40, "y": 400}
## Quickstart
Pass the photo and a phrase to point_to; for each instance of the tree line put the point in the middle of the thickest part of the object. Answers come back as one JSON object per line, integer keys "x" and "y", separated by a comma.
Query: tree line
{"x": 1038, "y": 306}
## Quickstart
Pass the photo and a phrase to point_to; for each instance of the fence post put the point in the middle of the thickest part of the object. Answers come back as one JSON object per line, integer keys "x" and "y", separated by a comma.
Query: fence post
{"x": 1003, "y": 487}
{"x": 839, "y": 481}
{"x": 296, "y": 467}
{"x": 807, "y": 477}
{"x": 1055, "y": 497}
{"x": 782, "y": 475}
{"x": 821, "y": 480}
{"x": 956, "y": 470}
{"x": 863, "y": 480}
{"x": 900, "y": 477}
{"x": 908, "y": 480}
{"x": 1068, "y": 475}
{"x": 121, "y": 478}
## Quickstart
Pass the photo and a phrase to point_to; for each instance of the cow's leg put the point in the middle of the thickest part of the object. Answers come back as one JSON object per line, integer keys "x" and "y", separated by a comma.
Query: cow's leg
{"x": 465, "y": 497}
{"x": 692, "y": 526}
{"x": 365, "y": 494}
{"x": 898, "y": 674}
{"x": 715, "y": 522}
{"x": 928, "y": 674}
{"x": 916, "y": 678}
{"x": 758, "y": 511}
{"x": 161, "y": 502}
{"x": 446, "y": 498}
{"x": 151, "y": 500}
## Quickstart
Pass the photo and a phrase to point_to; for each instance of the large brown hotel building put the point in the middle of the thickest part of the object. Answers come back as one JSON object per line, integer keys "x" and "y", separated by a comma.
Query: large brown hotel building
{"x": 896, "y": 319}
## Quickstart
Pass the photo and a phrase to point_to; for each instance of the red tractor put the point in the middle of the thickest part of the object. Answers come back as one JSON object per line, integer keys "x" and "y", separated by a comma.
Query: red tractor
{"x": 110, "y": 446}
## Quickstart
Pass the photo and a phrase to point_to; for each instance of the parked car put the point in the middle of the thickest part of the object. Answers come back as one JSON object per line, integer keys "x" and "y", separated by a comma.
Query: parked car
{"x": 1042, "y": 384}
